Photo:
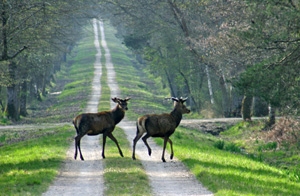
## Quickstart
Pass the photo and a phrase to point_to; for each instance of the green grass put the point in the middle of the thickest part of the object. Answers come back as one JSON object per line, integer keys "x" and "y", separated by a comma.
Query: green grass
{"x": 28, "y": 167}
{"x": 227, "y": 173}
{"x": 104, "y": 102}
{"x": 122, "y": 175}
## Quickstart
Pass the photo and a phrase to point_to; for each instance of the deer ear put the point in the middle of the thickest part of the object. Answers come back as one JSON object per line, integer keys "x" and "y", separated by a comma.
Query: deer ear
{"x": 115, "y": 99}
{"x": 127, "y": 98}
{"x": 175, "y": 99}
{"x": 183, "y": 99}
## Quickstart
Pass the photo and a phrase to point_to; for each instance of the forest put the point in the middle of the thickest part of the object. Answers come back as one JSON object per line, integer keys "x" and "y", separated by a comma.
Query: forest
{"x": 231, "y": 58}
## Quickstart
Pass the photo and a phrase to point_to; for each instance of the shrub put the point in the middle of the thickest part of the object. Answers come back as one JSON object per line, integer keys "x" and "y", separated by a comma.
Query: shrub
{"x": 285, "y": 133}
{"x": 231, "y": 147}
{"x": 219, "y": 144}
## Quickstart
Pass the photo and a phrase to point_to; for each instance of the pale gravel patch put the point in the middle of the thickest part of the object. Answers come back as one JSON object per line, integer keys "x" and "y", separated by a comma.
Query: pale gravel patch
{"x": 166, "y": 179}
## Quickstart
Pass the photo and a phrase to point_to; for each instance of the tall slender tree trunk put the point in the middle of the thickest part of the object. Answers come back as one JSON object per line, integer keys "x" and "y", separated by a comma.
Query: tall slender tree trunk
{"x": 23, "y": 99}
{"x": 212, "y": 101}
{"x": 246, "y": 107}
{"x": 11, "y": 110}
{"x": 271, "y": 119}
{"x": 12, "y": 107}
{"x": 188, "y": 89}
{"x": 173, "y": 93}
{"x": 225, "y": 98}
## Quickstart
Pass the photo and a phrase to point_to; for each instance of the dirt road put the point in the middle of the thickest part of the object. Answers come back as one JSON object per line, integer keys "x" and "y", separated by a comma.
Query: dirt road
{"x": 171, "y": 178}
{"x": 86, "y": 177}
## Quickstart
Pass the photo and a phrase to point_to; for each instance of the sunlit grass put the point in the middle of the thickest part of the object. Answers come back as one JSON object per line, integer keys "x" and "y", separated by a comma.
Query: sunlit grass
{"x": 122, "y": 175}
{"x": 28, "y": 167}
{"x": 104, "y": 102}
{"x": 227, "y": 173}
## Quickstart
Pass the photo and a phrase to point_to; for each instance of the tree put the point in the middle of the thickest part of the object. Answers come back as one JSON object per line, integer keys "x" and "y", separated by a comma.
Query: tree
{"x": 217, "y": 41}
{"x": 274, "y": 76}
{"x": 46, "y": 31}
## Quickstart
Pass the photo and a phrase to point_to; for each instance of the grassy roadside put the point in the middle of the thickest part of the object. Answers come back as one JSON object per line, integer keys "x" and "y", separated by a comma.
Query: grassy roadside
{"x": 28, "y": 167}
{"x": 229, "y": 173}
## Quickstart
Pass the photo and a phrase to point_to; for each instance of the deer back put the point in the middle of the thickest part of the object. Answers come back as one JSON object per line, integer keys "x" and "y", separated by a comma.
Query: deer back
{"x": 159, "y": 124}
{"x": 95, "y": 123}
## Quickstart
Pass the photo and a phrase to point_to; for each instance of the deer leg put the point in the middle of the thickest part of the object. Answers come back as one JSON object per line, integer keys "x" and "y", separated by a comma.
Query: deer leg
{"x": 81, "y": 157}
{"x": 163, "y": 153}
{"x": 110, "y": 135}
{"x": 135, "y": 140}
{"x": 103, "y": 145}
{"x": 77, "y": 146}
{"x": 75, "y": 154}
{"x": 171, "y": 144}
{"x": 146, "y": 143}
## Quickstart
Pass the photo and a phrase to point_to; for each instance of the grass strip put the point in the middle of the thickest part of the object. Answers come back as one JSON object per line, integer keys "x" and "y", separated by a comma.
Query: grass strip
{"x": 122, "y": 175}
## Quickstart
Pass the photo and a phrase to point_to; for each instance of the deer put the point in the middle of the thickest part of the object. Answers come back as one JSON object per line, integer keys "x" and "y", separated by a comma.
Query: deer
{"x": 104, "y": 122}
{"x": 160, "y": 125}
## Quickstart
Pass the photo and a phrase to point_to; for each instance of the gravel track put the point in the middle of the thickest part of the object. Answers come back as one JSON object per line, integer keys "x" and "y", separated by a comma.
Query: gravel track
{"x": 84, "y": 177}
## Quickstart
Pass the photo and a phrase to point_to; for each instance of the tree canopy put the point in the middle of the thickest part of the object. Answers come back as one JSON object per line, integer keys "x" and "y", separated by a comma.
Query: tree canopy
{"x": 35, "y": 37}
{"x": 239, "y": 47}
{"x": 218, "y": 53}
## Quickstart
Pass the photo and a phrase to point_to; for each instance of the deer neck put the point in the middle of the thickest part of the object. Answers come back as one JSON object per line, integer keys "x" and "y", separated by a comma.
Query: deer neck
{"x": 177, "y": 116}
{"x": 118, "y": 114}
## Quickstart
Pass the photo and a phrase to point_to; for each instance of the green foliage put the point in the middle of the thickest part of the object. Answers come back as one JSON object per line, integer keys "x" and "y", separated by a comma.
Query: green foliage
{"x": 272, "y": 83}
{"x": 135, "y": 42}
{"x": 69, "y": 96}
{"x": 232, "y": 147}
{"x": 268, "y": 146}
{"x": 219, "y": 144}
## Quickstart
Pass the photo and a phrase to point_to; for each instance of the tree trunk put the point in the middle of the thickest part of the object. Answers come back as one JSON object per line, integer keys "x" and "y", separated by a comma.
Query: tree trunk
{"x": 2, "y": 107}
{"x": 260, "y": 107}
{"x": 12, "y": 108}
{"x": 12, "y": 103}
{"x": 212, "y": 101}
{"x": 246, "y": 107}
{"x": 23, "y": 99}
{"x": 271, "y": 120}
{"x": 188, "y": 89}
{"x": 225, "y": 98}
{"x": 173, "y": 93}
